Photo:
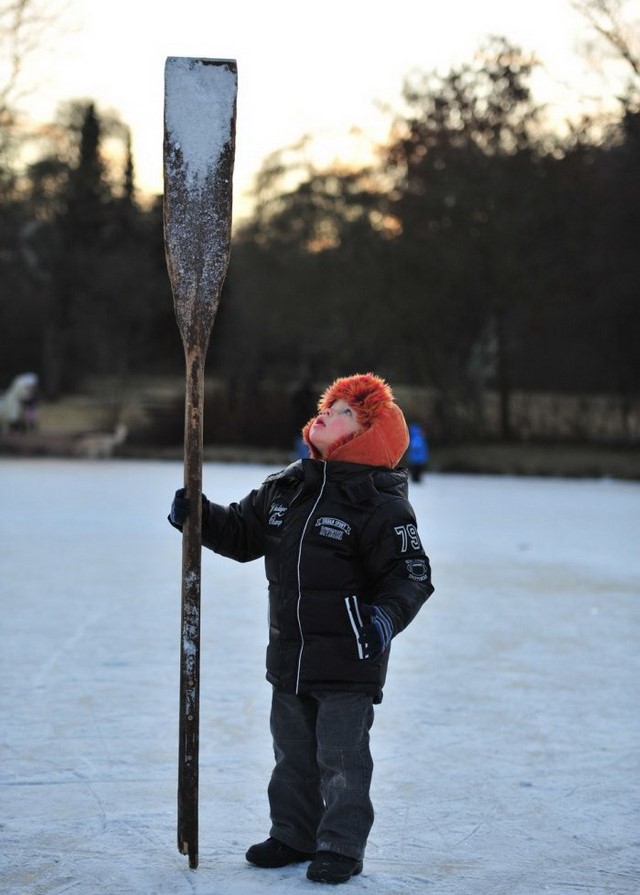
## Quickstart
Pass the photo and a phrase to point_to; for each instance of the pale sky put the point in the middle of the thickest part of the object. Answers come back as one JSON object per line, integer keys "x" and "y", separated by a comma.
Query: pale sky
{"x": 303, "y": 66}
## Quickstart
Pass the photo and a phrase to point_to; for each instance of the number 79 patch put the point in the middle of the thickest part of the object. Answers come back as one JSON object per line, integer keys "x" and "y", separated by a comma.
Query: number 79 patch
{"x": 409, "y": 538}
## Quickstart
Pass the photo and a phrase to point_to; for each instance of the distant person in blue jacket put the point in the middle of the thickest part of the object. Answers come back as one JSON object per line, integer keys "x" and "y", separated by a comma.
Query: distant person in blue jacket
{"x": 418, "y": 452}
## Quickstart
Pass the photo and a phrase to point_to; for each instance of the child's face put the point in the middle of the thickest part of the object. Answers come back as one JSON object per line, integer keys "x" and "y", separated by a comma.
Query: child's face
{"x": 332, "y": 425}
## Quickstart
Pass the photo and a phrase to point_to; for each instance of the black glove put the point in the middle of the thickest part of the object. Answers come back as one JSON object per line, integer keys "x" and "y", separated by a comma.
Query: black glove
{"x": 374, "y": 628}
{"x": 180, "y": 508}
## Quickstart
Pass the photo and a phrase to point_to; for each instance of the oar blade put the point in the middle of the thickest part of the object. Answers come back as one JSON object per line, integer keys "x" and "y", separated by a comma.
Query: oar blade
{"x": 199, "y": 148}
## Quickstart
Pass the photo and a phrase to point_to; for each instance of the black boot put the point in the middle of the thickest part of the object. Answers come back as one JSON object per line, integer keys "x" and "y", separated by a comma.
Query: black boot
{"x": 273, "y": 853}
{"x": 330, "y": 867}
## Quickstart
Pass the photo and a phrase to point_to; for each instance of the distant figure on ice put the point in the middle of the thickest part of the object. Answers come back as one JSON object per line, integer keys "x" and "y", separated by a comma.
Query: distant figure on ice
{"x": 100, "y": 445}
{"x": 19, "y": 404}
{"x": 346, "y": 573}
{"x": 418, "y": 453}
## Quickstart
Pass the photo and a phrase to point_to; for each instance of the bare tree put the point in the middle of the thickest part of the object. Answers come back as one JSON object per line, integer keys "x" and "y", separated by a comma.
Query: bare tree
{"x": 617, "y": 25}
{"x": 26, "y": 31}
{"x": 23, "y": 27}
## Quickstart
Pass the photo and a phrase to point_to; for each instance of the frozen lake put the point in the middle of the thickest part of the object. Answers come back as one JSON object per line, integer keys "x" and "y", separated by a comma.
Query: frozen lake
{"x": 507, "y": 747}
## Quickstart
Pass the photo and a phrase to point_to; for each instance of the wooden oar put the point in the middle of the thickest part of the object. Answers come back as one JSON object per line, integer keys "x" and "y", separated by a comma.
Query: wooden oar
{"x": 199, "y": 144}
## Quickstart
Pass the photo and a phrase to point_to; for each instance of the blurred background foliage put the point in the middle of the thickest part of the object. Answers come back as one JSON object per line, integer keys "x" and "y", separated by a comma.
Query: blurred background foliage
{"x": 485, "y": 264}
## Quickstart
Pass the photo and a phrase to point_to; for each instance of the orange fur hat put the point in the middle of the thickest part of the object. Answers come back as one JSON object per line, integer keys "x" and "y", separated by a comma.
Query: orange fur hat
{"x": 384, "y": 437}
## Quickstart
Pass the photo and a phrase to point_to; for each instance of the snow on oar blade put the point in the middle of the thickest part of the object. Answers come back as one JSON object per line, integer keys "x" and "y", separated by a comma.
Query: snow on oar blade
{"x": 200, "y": 112}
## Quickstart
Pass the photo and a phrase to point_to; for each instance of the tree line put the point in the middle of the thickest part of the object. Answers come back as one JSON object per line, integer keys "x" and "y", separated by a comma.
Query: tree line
{"x": 481, "y": 252}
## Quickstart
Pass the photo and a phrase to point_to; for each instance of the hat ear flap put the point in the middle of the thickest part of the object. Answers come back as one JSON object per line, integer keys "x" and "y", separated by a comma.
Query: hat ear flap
{"x": 384, "y": 443}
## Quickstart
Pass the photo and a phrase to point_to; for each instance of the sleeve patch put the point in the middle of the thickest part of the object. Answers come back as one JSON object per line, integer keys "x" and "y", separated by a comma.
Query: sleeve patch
{"x": 417, "y": 569}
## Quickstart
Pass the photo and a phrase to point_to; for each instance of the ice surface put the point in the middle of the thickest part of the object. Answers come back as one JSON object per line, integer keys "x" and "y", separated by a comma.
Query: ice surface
{"x": 506, "y": 748}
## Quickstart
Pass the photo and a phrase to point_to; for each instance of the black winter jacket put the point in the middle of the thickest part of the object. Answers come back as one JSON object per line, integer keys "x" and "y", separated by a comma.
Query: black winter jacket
{"x": 328, "y": 531}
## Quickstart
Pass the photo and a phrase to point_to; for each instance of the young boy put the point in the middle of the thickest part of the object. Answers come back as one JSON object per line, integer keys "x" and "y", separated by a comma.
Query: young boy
{"x": 346, "y": 573}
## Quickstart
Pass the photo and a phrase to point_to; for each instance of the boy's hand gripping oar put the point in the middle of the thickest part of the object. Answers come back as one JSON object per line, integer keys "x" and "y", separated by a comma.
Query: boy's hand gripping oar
{"x": 199, "y": 143}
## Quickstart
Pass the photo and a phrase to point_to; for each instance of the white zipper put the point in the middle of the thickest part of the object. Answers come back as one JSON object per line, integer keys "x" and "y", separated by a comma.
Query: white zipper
{"x": 313, "y": 509}
{"x": 353, "y": 611}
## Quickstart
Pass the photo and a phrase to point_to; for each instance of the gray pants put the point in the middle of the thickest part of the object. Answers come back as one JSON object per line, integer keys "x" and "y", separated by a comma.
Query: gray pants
{"x": 319, "y": 789}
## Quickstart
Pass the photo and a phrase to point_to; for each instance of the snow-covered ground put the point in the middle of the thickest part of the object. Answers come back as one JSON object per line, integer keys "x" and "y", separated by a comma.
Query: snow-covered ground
{"x": 507, "y": 747}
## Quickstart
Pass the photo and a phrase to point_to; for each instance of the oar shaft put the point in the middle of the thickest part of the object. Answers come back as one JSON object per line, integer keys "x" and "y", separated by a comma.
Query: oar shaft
{"x": 191, "y": 588}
